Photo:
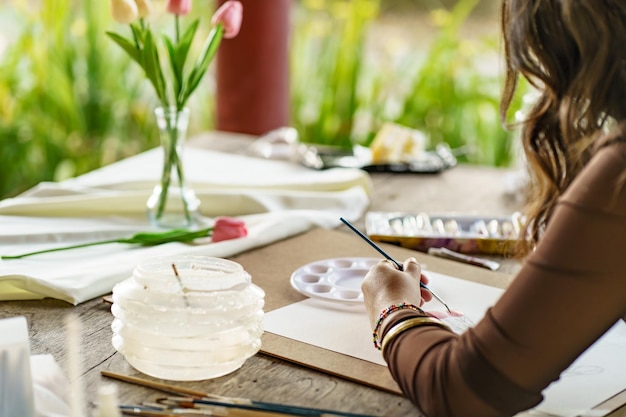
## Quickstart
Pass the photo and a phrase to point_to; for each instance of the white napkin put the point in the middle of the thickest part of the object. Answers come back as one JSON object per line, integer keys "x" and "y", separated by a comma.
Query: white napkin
{"x": 276, "y": 199}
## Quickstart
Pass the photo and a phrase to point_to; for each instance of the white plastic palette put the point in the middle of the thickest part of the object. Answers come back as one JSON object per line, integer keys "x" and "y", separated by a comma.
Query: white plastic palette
{"x": 336, "y": 279}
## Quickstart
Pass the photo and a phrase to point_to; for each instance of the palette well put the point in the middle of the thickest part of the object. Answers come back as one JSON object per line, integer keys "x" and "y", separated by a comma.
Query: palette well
{"x": 335, "y": 279}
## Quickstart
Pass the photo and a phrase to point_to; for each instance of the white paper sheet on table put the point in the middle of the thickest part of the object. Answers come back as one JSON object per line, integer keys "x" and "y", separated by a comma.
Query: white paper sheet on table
{"x": 595, "y": 377}
{"x": 277, "y": 199}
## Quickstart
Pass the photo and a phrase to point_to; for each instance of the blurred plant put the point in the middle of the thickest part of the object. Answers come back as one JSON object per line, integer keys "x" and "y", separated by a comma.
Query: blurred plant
{"x": 63, "y": 110}
{"x": 142, "y": 45}
{"x": 451, "y": 92}
{"x": 455, "y": 95}
{"x": 69, "y": 101}
{"x": 328, "y": 58}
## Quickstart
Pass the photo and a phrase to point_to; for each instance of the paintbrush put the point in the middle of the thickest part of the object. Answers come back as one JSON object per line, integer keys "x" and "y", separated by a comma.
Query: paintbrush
{"x": 258, "y": 408}
{"x": 386, "y": 255}
{"x": 215, "y": 411}
{"x": 240, "y": 403}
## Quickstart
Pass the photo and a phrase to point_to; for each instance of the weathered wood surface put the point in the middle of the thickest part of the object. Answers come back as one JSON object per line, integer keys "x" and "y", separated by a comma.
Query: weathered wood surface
{"x": 462, "y": 189}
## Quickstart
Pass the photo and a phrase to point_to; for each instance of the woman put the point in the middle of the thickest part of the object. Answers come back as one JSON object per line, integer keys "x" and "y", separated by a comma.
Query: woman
{"x": 574, "y": 138}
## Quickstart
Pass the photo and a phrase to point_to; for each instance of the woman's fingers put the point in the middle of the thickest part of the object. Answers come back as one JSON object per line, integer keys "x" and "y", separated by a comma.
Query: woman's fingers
{"x": 414, "y": 268}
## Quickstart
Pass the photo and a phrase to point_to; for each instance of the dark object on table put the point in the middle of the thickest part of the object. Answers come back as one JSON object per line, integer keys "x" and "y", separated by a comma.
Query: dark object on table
{"x": 323, "y": 157}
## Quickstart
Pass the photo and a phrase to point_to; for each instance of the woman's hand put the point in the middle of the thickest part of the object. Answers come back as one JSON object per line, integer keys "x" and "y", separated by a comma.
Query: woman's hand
{"x": 385, "y": 285}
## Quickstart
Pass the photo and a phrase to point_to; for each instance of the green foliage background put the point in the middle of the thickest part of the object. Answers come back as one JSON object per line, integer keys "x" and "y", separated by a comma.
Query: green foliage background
{"x": 342, "y": 95}
{"x": 71, "y": 101}
{"x": 67, "y": 100}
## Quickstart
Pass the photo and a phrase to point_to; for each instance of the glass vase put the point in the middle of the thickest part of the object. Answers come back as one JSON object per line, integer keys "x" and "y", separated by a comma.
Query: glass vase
{"x": 172, "y": 203}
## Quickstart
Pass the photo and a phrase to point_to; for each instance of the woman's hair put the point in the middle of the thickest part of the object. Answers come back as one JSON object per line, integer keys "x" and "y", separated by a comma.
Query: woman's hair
{"x": 573, "y": 52}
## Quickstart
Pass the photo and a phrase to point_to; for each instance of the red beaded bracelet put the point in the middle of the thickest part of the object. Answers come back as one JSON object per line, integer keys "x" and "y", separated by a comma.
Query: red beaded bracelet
{"x": 386, "y": 312}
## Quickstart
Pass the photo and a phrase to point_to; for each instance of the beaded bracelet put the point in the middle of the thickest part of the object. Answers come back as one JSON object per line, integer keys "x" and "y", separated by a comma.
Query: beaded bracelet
{"x": 386, "y": 312}
{"x": 407, "y": 324}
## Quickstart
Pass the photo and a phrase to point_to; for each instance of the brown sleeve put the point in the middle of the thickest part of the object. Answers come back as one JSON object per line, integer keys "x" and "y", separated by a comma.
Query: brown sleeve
{"x": 570, "y": 291}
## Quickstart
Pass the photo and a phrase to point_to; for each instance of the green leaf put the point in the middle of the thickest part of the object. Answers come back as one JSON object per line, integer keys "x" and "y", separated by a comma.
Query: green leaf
{"x": 138, "y": 34}
{"x": 178, "y": 56}
{"x": 152, "y": 67}
{"x": 178, "y": 76}
{"x": 185, "y": 44}
{"x": 202, "y": 63}
{"x": 127, "y": 46}
{"x": 174, "y": 235}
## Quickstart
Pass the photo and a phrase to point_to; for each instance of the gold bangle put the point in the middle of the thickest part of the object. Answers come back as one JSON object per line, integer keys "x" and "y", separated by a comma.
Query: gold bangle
{"x": 407, "y": 324}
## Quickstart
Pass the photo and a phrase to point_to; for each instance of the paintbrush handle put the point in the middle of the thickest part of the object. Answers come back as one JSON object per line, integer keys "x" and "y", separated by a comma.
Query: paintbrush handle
{"x": 240, "y": 404}
{"x": 372, "y": 244}
{"x": 285, "y": 409}
{"x": 217, "y": 412}
{"x": 386, "y": 255}
{"x": 170, "y": 389}
{"x": 238, "y": 412}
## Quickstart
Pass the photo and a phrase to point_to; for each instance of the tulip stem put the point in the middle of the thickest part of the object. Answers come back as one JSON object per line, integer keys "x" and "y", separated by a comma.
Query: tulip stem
{"x": 171, "y": 142}
{"x": 142, "y": 238}
{"x": 177, "y": 23}
{"x": 83, "y": 245}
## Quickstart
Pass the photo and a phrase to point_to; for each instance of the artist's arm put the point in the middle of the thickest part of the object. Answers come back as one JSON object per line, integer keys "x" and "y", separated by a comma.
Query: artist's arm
{"x": 569, "y": 292}
{"x": 425, "y": 360}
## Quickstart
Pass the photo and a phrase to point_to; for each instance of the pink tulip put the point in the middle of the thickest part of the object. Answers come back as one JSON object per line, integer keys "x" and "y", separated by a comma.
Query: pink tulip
{"x": 230, "y": 14}
{"x": 180, "y": 7}
{"x": 226, "y": 228}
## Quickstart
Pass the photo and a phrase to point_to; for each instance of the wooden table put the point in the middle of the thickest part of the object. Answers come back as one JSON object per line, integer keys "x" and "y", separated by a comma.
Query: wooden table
{"x": 264, "y": 378}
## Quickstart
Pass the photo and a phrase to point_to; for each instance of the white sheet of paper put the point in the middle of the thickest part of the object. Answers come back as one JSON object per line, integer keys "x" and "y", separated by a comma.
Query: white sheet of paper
{"x": 593, "y": 378}
{"x": 309, "y": 321}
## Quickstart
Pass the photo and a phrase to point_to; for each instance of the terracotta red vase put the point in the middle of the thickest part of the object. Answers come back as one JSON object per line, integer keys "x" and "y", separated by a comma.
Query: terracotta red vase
{"x": 253, "y": 70}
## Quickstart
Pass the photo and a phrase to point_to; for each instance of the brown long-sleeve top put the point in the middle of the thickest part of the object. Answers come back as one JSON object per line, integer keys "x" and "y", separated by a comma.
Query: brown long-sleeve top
{"x": 570, "y": 291}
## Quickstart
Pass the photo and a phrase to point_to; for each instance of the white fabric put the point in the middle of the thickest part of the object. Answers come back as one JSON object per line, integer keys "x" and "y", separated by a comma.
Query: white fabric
{"x": 226, "y": 184}
{"x": 276, "y": 199}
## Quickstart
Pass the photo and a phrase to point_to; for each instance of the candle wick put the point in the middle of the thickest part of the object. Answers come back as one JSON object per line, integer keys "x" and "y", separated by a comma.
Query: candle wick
{"x": 180, "y": 282}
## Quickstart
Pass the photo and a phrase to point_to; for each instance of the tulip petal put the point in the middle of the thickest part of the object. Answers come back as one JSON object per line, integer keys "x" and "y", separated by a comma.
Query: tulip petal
{"x": 230, "y": 14}
{"x": 180, "y": 7}
{"x": 124, "y": 11}
{"x": 226, "y": 228}
{"x": 144, "y": 8}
